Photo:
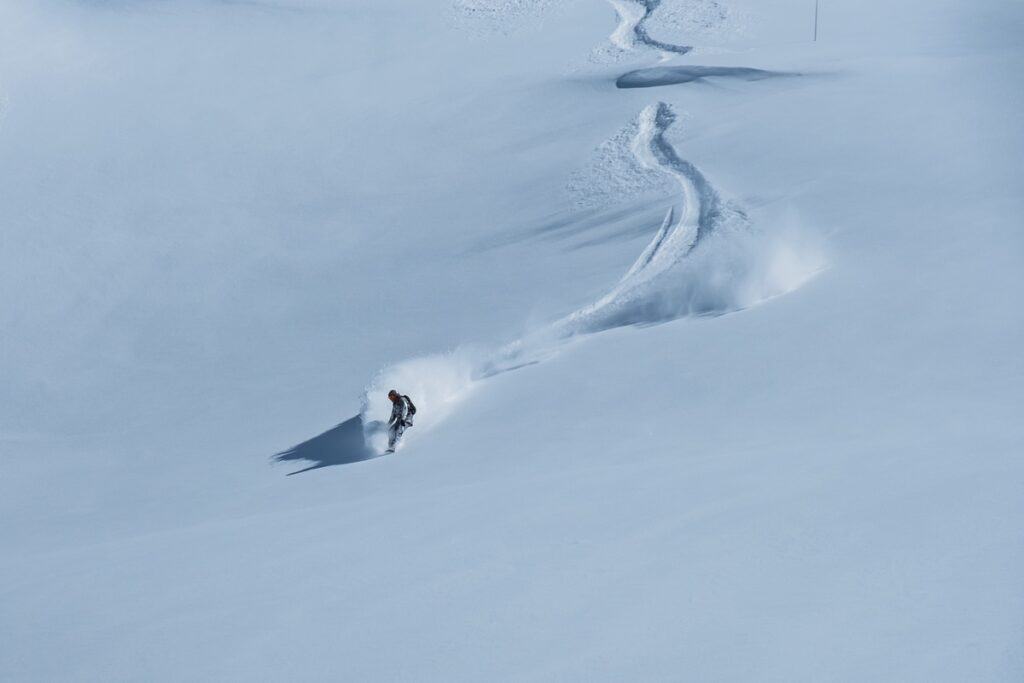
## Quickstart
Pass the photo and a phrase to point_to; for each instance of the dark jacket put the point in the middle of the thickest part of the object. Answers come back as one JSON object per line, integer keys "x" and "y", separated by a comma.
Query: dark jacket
{"x": 400, "y": 412}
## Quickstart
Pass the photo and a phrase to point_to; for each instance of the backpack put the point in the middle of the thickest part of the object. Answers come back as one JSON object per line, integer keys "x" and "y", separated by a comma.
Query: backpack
{"x": 409, "y": 404}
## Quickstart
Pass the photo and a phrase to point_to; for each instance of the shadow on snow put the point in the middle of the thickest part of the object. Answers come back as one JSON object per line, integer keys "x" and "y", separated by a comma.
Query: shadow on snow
{"x": 343, "y": 444}
{"x": 673, "y": 75}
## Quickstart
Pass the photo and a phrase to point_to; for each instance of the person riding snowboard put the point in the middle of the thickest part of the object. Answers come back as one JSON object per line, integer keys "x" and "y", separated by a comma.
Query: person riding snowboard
{"x": 402, "y": 411}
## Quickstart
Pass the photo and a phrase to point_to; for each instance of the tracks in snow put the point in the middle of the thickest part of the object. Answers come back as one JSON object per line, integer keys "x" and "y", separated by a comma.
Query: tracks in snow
{"x": 657, "y": 286}
{"x": 640, "y": 295}
{"x": 632, "y": 31}
{"x": 703, "y": 259}
{"x": 701, "y": 203}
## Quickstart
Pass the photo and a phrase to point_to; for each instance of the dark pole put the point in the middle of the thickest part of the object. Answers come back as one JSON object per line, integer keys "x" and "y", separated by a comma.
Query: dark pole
{"x": 815, "y": 20}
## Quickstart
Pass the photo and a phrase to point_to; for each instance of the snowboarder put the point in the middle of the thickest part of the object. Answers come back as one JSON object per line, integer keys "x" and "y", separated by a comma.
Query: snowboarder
{"x": 402, "y": 410}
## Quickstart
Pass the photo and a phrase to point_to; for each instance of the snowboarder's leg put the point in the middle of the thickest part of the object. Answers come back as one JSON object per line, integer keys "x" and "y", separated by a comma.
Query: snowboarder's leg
{"x": 394, "y": 434}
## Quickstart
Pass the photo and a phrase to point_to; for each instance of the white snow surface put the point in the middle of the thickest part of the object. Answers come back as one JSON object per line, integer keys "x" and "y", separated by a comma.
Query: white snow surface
{"x": 718, "y": 373}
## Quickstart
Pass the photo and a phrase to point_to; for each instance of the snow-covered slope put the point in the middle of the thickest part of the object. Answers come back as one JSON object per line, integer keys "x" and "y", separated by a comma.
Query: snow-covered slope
{"x": 716, "y": 350}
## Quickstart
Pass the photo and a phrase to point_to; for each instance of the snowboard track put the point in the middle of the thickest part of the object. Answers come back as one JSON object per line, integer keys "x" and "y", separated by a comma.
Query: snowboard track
{"x": 632, "y": 29}
{"x": 674, "y": 276}
{"x": 638, "y": 296}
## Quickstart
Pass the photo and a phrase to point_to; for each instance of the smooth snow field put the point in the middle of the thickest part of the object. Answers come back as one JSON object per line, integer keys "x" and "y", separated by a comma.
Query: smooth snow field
{"x": 710, "y": 308}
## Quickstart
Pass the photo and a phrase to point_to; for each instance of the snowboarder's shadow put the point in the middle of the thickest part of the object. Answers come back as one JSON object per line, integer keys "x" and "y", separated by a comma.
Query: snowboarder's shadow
{"x": 343, "y": 444}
